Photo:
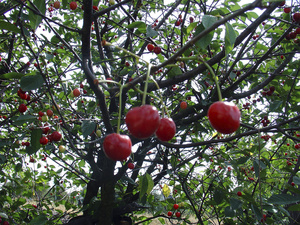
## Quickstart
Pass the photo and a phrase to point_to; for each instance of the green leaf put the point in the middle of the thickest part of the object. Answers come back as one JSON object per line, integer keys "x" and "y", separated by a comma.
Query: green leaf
{"x": 39, "y": 220}
{"x": 87, "y": 127}
{"x": 296, "y": 180}
{"x": 218, "y": 196}
{"x": 283, "y": 199}
{"x": 145, "y": 185}
{"x": 294, "y": 208}
{"x": 204, "y": 41}
{"x": 35, "y": 19}
{"x": 242, "y": 160}
{"x": 10, "y": 27}
{"x": 230, "y": 37}
{"x": 229, "y": 212}
{"x": 137, "y": 24}
{"x": 275, "y": 105}
{"x": 191, "y": 27}
{"x": 151, "y": 32}
{"x": 12, "y": 75}
{"x": 81, "y": 163}
{"x": 31, "y": 82}
{"x": 174, "y": 71}
{"x": 24, "y": 119}
{"x": 235, "y": 203}
{"x": 256, "y": 211}
{"x": 35, "y": 145}
{"x": 208, "y": 20}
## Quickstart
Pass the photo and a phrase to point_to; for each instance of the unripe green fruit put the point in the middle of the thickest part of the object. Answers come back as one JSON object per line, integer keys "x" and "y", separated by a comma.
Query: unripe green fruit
{"x": 61, "y": 149}
{"x": 98, "y": 133}
{"x": 112, "y": 2}
{"x": 44, "y": 118}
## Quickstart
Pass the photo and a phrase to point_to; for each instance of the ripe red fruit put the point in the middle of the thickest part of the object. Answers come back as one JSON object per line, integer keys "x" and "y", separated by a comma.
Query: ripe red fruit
{"x": 117, "y": 147}
{"x": 130, "y": 165}
{"x": 5, "y": 223}
{"x": 293, "y": 184}
{"x": 73, "y": 5}
{"x": 157, "y": 50}
{"x": 127, "y": 64}
{"x": 43, "y": 140}
{"x": 292, "y": 35}
{"x": 175, "y": 206}
{"x": 56, "y": 4}
{"x": 287, "y": 10}
{"x": 22, "y": 108}
{"x": 224, "y": 117}
{"x": 177, "y": 214}
{"x": 239, "y": 193}
{"x": 166, "y": 129}
{"x": 95, "y": 8}
{"x": 150, "y": 47}
{"x": 177, "y": 23}
{"x": 49, "y": 112}
{"x": 297, "y": 146}
{"x": 55, "y": 136}
{"x": 191, "y": 19}
{"x": 297, "y": 31}
{"x": 41, "y": 113}
{"x": 296, "y": 17}
{"x": 0, "y": 58}
{"x": 143, "y": 121}
{"x": 76, "y": 92}
{"x": 170, "y": 213}
{"x": 282, "y": 3}
{"x": 183, "y": 105}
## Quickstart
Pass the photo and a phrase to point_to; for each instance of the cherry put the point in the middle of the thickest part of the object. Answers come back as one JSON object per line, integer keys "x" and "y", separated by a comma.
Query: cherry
{"x": 293, "y": 184}
{"x": 175, "y": 206}
{"x": 22, "y": 108}
{"x": 239, "y": 193}
{"x": 55, "y": 136}
{"x": 183, "y": 105}
{"x": 191, "y": 19}
{"x": 76, "y": 92}
{"x": 117, "y": 147}
{"x": 177, "y": 214}
{"x": 287, "y": 10}
{"x": 296, "y": 17}
{"x": 142, "y": 121}
{"x": 150, "y": 47}
{"x": 157, "y": 50}
{"x": 56, "y": 4}
{"x": 170, "y": 213}
{"x": 81, "y": 85}
{"x": 43, "y": 140}
{"x": 131, "y": 165}
{"x": 95, "y": 8}
{"x": 49, "y": 112}
{"x": 224, "y": 117}
{"x": 5, "y": 223}
{"x": 73, "y": 5}
{"x": 41, "y": 113}
{"x": 127, "y": 64}
{"x": 297, "y": 31}
{"x": 166, "y": 129}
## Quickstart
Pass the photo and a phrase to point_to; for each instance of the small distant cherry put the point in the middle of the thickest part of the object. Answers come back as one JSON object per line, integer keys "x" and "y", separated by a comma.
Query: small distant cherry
{"x": 177, "y": 214}
{"x": 157, "y": 50}
{"x": 170, "y": 213}
{"x": 130, "y": 165}
{"x": 239, "y": 193}
{"x": 175, "y": 206}
{"x": 150, "y": 47}
{"x": 183, "y": 105}
{"x": 73, "y": 5}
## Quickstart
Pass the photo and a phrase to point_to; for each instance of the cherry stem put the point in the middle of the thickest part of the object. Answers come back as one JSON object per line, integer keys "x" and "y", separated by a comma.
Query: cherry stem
{"x": 146, "y": 83}
{"x": 120, "y": 109}
{"x": 161, "y": 100}
{"x": 215, "y": 78}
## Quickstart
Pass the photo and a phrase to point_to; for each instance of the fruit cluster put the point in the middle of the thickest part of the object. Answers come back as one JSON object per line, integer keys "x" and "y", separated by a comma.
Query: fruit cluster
{"x": 142, "y": 122}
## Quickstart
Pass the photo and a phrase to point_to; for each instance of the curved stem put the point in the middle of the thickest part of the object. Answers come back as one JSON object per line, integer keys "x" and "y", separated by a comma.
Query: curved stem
{"x": 146, "y": 84}
{"x": 120, "y": 109}
{"x": 215, "y": 78}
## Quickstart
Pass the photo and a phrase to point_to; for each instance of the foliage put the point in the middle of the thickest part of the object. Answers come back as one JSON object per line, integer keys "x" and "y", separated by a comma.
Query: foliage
{"x": 46, "y": 53}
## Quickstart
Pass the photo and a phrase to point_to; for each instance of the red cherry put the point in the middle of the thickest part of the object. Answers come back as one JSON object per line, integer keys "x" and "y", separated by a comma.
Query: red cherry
{"x": 43, "y": 140}
{"x": 191, "y": 19}
{"x": 177, "y": 214}
{"x": 166, "y": 129}
{"x": 81, "y": 85}
{"x": 183, "y": 105}
{"x": 5, "y": 223}
{"x": 287, "y": 10}
{"x": 49, "y": 112}
{"x": 239, "y": 193}
{"x": 177, "y": 23}
{"x": 131, "y": 165}
{"x": 143, "y": 121}
{"x": 127, "y": 64}
{"x": 282, "y": 3}
{"x": 224, "y": 117}
{"x": 297, "y": 31}
{"x": 22, "y": 108}
{"x": 293, "y": 35}
{"x": 41, "y": 113}
{"x": 175, "y": 206}
{"x": 56, "y": 4}
{"x": 95, "y": 8}
{"x": 55, "y": 136}
{"x": 45, "y": 130}
{"x": 296, "y": 17}
{"x": 73, "y": 5}
{"x": 150, "y": 47}
{"x": 76, "y": 92}
{"x": 117, "y": 147}
{"x": 157, "y": 50}
{"x": 293, "y": 184}
{"x": 170, "y": 213}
